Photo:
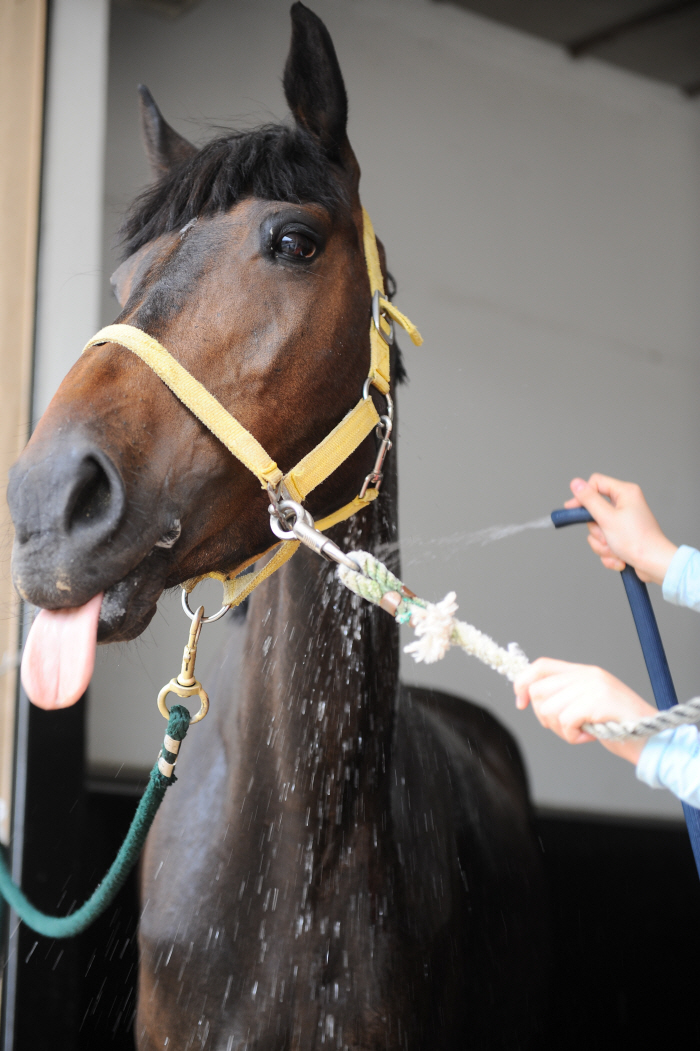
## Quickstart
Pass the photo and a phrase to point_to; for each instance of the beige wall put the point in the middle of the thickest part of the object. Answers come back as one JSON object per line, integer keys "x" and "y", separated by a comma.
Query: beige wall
{"x": 542, "y": 217}
{"x": 22, "y": 32}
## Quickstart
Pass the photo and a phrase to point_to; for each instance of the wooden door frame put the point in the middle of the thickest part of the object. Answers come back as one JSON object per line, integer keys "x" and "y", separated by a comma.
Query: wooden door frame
{"x": 22, "y": 76}
{"x": 22, "y": 81}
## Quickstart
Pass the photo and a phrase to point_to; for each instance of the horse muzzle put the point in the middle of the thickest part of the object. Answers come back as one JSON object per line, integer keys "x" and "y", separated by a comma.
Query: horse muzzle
{"x": 68, "y": 507}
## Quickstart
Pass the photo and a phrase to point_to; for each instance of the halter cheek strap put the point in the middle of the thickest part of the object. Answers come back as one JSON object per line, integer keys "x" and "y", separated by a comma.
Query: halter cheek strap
{"x": 317, "y": 465}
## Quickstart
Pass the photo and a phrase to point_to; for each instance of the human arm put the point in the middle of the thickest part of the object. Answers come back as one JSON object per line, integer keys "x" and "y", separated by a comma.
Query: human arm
{"x": 564, "y": 696}
{"x": 682, "y": 581}
{"x": 625, "y": 531}
{"x": 672, "y": 760}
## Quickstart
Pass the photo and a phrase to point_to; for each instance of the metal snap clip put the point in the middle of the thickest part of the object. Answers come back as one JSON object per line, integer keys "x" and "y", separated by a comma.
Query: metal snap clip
{"x": 185, "y": 685}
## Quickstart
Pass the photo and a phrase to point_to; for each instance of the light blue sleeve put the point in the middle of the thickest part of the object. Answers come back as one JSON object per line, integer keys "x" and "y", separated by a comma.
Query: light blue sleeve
{"x": 672, "y": 760}
{"x": 682, "y": 581}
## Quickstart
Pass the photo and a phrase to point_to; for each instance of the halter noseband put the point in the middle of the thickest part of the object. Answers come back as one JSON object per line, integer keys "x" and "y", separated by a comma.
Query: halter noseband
{"x": 317, "y": 465}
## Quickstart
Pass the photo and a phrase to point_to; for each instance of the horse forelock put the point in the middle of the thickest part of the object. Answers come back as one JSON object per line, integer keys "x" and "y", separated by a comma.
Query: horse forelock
{"x": 276, "y": 162}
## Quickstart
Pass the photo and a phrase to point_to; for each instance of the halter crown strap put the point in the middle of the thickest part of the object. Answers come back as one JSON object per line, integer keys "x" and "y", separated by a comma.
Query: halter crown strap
{"x": 317, "y": 465}
{"x": 379, "y": 369}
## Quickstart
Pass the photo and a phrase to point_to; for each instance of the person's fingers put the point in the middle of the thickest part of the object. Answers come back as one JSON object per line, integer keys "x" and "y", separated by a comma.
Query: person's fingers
{"x": 565, "y": 713}
{"x": 544, "y": 689}
{"x": 595, "y": 530}
{"x": 551, "y": 711}
{"x": 600, "y": 546}
{"x": 590, "y": 498}
{"x": 521, "y": 686}
{"x": 522, "y": 695}
{"x": 607, "y": 557}
{"x": 572, "y": 502}
{"x": 566, "y": 696}
{"x": 540, "y": 670}
{"x": 541, "y": 678}
{"x": 547, "y": 711}
{"x": 571, "y": 717}
{"x": 613, "y": 488}
{"x": 551, "y": 696}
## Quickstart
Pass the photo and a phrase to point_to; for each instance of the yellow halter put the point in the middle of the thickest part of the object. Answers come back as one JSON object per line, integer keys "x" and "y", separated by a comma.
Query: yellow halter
{"x": 317, "y": 465}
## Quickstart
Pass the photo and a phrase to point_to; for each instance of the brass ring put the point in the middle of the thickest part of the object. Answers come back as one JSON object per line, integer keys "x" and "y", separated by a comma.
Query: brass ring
{"x": 184, "y": 691}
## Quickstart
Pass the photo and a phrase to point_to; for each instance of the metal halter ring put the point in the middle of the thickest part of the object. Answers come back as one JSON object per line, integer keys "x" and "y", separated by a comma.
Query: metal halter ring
{"x": 205, "y": 620}
{"x": 389, "y": 400}
{"x": 285, "y": 516}
{"x": 377, "y": 314}
{"x": 290, "y": 521}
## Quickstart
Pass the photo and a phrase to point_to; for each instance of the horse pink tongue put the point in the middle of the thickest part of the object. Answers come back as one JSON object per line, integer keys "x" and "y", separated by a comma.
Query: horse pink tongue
{"x": 59, "y": 656}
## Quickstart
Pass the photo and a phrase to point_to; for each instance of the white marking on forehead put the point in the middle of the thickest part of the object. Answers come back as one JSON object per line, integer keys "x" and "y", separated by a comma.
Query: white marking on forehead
{"x": 188, "y": 226}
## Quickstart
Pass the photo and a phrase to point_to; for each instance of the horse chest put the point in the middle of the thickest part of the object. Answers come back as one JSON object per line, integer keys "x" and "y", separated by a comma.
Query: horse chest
{"x": 274, "y": 915}
{"x": 275, "y": 947}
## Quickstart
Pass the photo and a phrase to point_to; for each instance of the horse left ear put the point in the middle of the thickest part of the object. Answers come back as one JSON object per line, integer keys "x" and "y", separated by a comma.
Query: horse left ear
{"x": 314, "y": 88}
{"x": 166, "y": 149}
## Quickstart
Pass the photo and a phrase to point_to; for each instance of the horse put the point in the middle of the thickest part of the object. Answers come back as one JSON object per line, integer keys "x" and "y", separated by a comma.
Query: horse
{"x": 348, "y": 862}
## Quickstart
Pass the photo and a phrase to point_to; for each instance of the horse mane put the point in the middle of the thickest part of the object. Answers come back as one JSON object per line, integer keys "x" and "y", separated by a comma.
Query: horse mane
{"x": 276, "y": 162}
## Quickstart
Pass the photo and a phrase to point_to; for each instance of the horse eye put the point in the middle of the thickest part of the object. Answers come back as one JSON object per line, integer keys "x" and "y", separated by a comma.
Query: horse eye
{"x": 296, "y": 245}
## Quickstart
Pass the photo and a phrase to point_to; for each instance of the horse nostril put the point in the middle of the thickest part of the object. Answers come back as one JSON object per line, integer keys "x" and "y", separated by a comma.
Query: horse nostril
{"x": 92, "y": 497}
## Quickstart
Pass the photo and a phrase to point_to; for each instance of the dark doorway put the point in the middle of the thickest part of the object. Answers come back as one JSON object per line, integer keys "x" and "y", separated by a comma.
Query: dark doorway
{"x": 626, "y": 911}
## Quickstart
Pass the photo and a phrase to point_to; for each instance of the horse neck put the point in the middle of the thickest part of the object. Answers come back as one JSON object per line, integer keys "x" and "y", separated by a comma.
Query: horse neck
{"x": 319, "y": 684}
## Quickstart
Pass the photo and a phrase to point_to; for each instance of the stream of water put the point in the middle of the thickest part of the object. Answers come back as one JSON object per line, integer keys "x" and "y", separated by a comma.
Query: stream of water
{"x": 416, "y": 549}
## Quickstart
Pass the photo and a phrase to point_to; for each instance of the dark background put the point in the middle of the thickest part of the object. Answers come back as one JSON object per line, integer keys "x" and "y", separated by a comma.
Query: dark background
{"x": 625, "y": 903}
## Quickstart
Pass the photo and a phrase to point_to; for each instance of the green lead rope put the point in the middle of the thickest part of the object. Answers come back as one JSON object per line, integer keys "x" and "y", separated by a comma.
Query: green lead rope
{"x": 105, "y": 893}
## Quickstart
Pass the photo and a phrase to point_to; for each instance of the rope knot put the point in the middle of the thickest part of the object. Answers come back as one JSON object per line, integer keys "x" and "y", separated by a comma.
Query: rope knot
{"x": 435, "y": 624}
{"x": 178, "y": 723}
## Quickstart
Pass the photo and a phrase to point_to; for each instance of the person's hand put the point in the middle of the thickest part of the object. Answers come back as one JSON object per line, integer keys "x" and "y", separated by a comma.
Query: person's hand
{"x": 625, "y": 531}
{"x": 564, "y": 696}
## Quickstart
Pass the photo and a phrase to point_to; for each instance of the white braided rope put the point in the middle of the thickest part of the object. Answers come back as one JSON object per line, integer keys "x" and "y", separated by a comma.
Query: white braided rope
{"x": 437, "y": 629}
{"x": 435, "y": 624}
{"x": 679, "y": 715}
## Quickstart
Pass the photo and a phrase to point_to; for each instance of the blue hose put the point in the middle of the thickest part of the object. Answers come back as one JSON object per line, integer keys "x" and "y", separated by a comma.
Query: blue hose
{"x": 652, "y": 648}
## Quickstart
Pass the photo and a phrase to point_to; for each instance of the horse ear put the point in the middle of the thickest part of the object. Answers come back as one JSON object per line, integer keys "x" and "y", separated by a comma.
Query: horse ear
{"x": 129, "y": 274}
{"x": 165, "y": 148}
{"x": 313, "y": 85}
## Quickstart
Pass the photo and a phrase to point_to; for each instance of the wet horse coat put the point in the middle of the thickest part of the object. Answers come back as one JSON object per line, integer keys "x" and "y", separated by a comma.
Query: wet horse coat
{"x": 347, "y": 862}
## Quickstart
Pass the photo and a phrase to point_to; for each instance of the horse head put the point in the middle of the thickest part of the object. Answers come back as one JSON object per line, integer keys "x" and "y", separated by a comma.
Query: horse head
{"x": 245, "y": 260}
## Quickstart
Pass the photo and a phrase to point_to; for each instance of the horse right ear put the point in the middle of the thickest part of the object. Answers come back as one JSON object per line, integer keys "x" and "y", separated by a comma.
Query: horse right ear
{"x": 165, "y": 148}
{"x": 314, "y": 88}
{"x": 129, "y": 274}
